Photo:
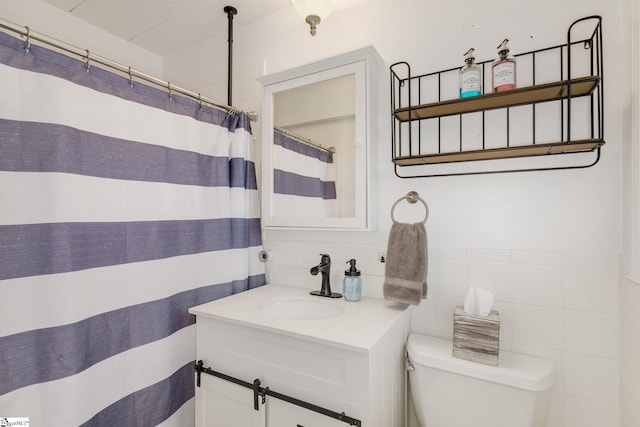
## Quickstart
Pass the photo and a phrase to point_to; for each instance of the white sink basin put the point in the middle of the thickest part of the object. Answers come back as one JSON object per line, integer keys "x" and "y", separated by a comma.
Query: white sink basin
{"x": 301, "y": 308}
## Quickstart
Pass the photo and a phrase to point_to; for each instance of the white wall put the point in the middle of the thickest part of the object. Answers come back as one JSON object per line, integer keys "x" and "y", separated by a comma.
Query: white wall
{"x": 630, "y": 292}
{"x": 630, "y": 335}
{"x": 547, "y": 243}
{"x": 553, "y": 210}
{"x": 50, "y": 21}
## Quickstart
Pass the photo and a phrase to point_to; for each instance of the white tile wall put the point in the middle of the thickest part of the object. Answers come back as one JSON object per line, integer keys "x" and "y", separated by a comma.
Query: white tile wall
{"x": 592, "y": 378}
{"x": 538, "y": 285}
{"x": 535, "y": 326}
{"x": 593, "y": 334}
{"x": 564, "y": 307}
{"x": 583, "y": 412}
{"x": 589, "y": 289}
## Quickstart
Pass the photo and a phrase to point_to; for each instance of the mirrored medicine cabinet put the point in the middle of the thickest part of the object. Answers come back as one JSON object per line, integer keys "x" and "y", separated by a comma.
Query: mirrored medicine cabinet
{"x": 317, "y": 126}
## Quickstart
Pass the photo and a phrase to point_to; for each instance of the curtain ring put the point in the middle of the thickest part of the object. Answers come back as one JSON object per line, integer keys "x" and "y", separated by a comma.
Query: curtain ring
{"x": 411, "y": 197}
{"x": 200, "y": 100}
{"x": 27, "y": 44}
{"x": 169, "y": 88}
{"x": 88, "y": 60}
{"x": 130, "y": 78}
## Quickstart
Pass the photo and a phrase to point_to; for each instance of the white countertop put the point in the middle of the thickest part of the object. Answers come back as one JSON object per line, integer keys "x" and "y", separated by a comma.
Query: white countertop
{"x": 358, "y": 328}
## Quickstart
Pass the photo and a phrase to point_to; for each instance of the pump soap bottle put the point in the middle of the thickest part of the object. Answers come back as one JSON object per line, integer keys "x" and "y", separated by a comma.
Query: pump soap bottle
{"x": 503, "y": 69}
{"x": 470, "y": 76}
{"x": 352, "y": 283}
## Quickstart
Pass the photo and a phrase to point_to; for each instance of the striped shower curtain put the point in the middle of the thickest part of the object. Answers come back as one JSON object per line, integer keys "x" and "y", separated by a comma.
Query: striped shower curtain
{"x": 304, "y": 183}
{"x": 121, "y": 206}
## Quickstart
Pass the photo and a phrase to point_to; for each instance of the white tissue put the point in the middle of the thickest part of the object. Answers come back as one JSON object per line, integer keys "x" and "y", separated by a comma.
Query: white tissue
{"x": 478, "y": 301}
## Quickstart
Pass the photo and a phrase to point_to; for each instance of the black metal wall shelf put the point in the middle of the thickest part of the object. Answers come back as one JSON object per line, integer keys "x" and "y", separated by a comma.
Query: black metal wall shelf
{"x": 417, "y": 129}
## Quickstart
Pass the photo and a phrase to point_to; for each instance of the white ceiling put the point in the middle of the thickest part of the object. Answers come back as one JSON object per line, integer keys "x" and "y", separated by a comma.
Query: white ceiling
{"x": 162, "y": 26}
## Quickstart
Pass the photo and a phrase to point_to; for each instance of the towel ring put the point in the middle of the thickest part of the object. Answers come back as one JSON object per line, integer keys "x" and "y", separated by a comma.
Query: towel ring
{"x": 411, "y": 197}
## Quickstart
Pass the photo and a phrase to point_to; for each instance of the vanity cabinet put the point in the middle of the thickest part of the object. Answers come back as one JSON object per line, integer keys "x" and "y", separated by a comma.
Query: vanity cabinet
{"x": 222, "y": 403}
{"x": 351, "y": 364}
{"x": 285, "y": 415}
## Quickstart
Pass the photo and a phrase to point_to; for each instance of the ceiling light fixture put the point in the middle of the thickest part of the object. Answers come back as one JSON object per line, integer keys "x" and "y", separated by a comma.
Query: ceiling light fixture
{"x": 313, "y": 11}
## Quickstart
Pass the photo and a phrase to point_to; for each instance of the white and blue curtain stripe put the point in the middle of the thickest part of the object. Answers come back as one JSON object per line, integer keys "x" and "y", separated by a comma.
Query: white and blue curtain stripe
{"x": 121, "y": 206}
{"x": 303, "y": 178}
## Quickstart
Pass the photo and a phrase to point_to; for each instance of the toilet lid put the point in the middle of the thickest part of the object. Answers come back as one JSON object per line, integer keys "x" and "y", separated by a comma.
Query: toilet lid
{"x": 515, "y": 370}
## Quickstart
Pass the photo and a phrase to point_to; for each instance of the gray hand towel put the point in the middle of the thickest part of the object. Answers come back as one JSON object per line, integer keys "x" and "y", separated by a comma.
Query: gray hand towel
{"x": 406, "y": 264}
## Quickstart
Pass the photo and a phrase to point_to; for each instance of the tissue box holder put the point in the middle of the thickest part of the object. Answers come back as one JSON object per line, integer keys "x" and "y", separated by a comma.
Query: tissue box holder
{"x": 476, "y": 338}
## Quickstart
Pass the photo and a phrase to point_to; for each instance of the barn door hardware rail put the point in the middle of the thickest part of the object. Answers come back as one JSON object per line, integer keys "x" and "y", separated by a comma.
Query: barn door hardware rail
{"x": 558, "y": 108}
{"x": 260, "y": 392}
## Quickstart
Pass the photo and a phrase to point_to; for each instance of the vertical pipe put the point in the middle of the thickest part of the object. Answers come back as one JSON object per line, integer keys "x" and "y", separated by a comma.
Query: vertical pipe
{"x": 230, "y": 11}
{"x": 533, "y": 106}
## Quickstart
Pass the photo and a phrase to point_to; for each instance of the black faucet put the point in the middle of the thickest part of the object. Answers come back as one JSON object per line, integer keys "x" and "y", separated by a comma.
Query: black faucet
{"x": 324, "y": 267}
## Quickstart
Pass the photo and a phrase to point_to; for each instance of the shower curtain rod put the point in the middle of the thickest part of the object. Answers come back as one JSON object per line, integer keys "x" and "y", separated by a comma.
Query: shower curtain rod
{"x": 89, "y": 57}
{"x": 304, "y": 140}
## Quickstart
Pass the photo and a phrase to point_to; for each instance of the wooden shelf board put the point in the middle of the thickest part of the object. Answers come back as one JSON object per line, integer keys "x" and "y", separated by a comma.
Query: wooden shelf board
{"x": 584, "y": 145}
{"x": 531, "y": 94}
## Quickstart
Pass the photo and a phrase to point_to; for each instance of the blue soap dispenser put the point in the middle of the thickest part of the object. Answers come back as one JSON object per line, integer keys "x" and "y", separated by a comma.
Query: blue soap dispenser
{"x": 352, "y": 283}
{"x": 470, "y": 76}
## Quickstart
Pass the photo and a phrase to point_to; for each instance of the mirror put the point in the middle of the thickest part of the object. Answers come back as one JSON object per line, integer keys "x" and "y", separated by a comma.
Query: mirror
{"x": 316, "y": 151}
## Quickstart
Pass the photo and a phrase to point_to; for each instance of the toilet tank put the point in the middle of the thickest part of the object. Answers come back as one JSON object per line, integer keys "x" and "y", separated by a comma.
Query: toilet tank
{"x": 447, "y": 391}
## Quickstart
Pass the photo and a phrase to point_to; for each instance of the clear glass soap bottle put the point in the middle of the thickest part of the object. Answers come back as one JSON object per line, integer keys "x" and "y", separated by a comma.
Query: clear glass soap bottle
{"x": 470, "y": 76}
{"x": 352, "y": 283}
{"x": 503, "y": 69}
